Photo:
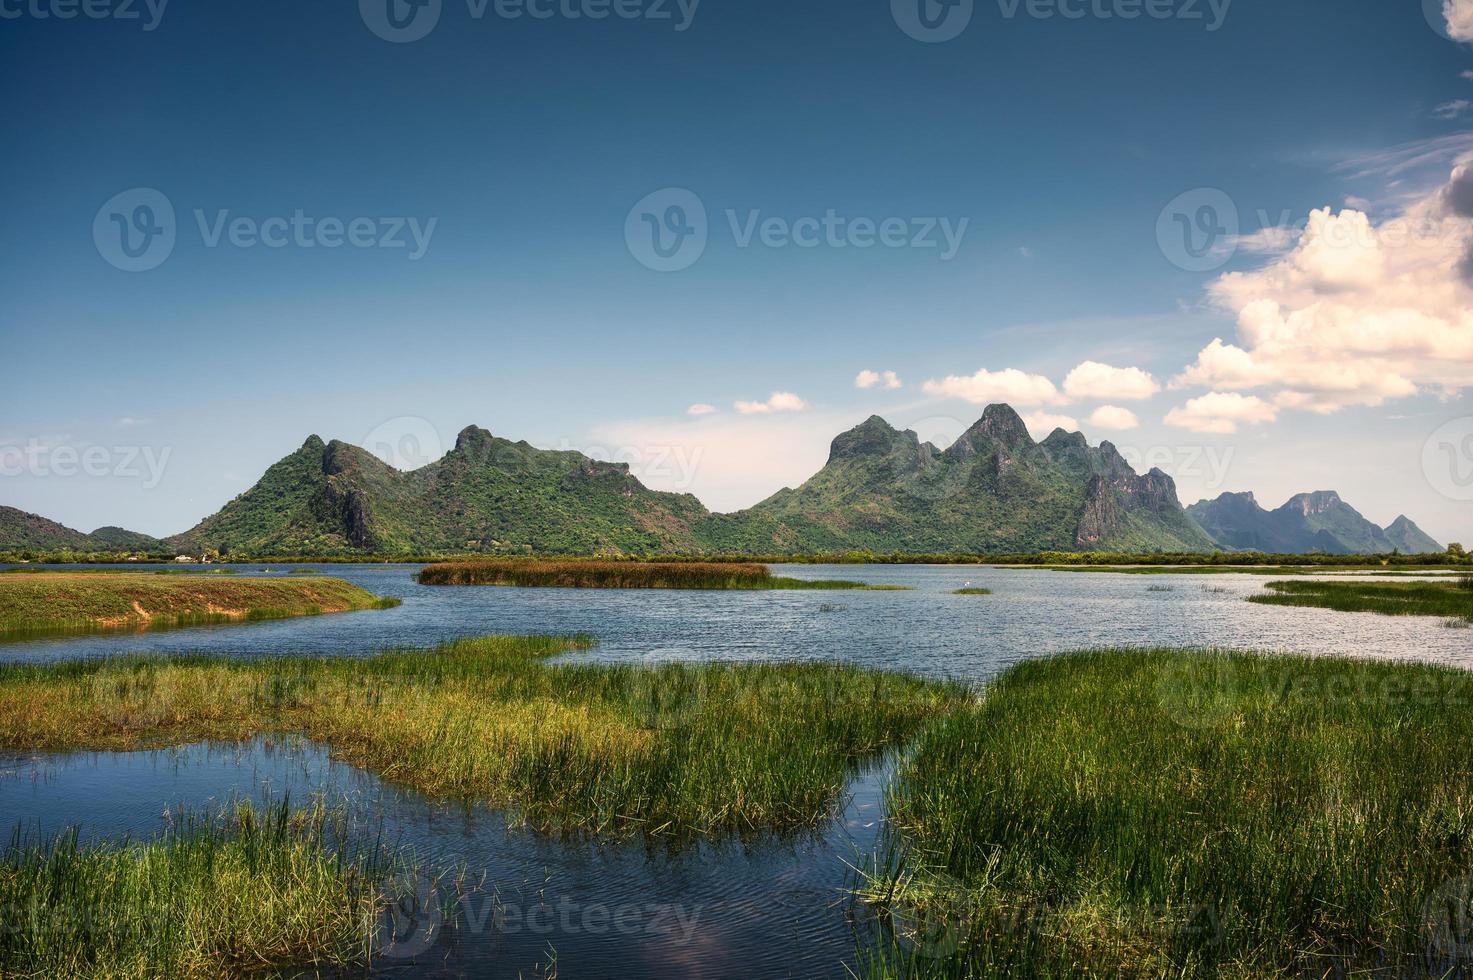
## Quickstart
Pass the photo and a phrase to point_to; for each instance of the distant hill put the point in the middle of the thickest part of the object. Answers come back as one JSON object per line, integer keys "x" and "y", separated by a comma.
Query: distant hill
{"x": 994, "y": 490}
{"x": 22, "y": 531}
{"x": 1309, "y": 522}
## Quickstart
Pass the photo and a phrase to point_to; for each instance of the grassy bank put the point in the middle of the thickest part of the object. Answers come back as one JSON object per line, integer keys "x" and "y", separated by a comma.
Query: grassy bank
{"x": 1175, "y": 814}
{"x": 972, "y": 590}
{"x": 86, "y": 601}
{"x": 578, "y": 574}
{"x": 1450, "y": 600}
{"x": 248, "y": 892}
{"x": 600, "y": 748}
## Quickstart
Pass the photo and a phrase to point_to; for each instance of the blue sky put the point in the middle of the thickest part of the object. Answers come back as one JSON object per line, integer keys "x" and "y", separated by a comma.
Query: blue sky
{"x": 527, "y": 152}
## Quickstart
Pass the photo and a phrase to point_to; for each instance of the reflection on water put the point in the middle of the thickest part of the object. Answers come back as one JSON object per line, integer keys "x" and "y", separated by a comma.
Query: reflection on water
{"x": 928, "y": 630}
{"x": 769, "y": 907}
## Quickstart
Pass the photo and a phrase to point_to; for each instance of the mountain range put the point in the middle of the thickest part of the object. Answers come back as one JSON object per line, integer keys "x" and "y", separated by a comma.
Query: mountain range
{"x": 1309, "y": 522}
{"x": 995, "y": 490}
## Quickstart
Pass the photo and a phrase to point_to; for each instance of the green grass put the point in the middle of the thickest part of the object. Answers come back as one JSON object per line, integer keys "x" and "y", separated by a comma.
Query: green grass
{"x": 580, "y": 574}
{"x": 1446, "y": 599}
{"x": 971, "y": 590}
{"x": 85, "y": 601}
{"x": 252, "y": 890}
{"x": 610, "y": 749}
{"x": 1180, "y": 814}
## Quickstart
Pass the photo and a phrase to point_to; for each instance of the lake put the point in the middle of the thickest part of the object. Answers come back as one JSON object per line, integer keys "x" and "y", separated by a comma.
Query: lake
{"x": 753, "y": 908}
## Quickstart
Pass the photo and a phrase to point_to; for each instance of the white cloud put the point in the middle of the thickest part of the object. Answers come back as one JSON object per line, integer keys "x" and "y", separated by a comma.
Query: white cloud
{"x": 1356, "y": 313}
{"x": 1453, "y": 109}
{"x": 872, "y": 379}
{"x": 1113, "y": 417}
{"x": 986, "y": 387}
{"x": 1040, "y": 424}
{"x": 1025, "y": 251}
{"x": 1221, "y": 412}
{"x": 700, "y": 408}
{"x": 1095, "y": 380}
{"x": 779, "y": 401}
{"x": 1459, "y": 14}
{"x": 1466, "y": 75}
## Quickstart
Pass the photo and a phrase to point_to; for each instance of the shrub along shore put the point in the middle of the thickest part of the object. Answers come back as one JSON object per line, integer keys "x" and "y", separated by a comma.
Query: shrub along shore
{"x": 63, "y": 601}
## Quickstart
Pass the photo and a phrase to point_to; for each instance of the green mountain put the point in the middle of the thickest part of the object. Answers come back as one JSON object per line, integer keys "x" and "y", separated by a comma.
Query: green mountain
{"x": 1310, "y": 522}
{"x": 993, "y": 490}
{"x": 883, "y": 490}
{"x": 22, "y": 531}
{"x": 1409, "y": 539}
{"x": 487, "y": 494}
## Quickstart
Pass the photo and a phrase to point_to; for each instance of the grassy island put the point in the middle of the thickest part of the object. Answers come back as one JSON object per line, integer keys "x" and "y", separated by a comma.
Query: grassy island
{"x": 612, "y": 749}
{"x": 83, "y": 601}
{"x": 252, "y": 890}
{"x": 1178, "y": 814}
{"x": 583, "y": 574}
{"x": 1451, "y": 600}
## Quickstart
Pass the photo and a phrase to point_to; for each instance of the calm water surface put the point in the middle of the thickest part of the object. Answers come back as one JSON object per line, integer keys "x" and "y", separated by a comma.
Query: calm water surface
{"x": 928, "y": 630}
{"x": 751, "y": 909}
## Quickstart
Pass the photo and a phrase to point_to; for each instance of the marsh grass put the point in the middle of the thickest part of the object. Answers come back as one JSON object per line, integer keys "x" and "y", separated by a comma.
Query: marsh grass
{"x": 585, "y": 574}
{"x": 252, "y": 889}
{"x": 1180, "y": 814}
{"x": 972, "y": 590}
{"x": 1444, "y": 599}
{"x": 606, "y": 749}
{"x": 89, "y": 602}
